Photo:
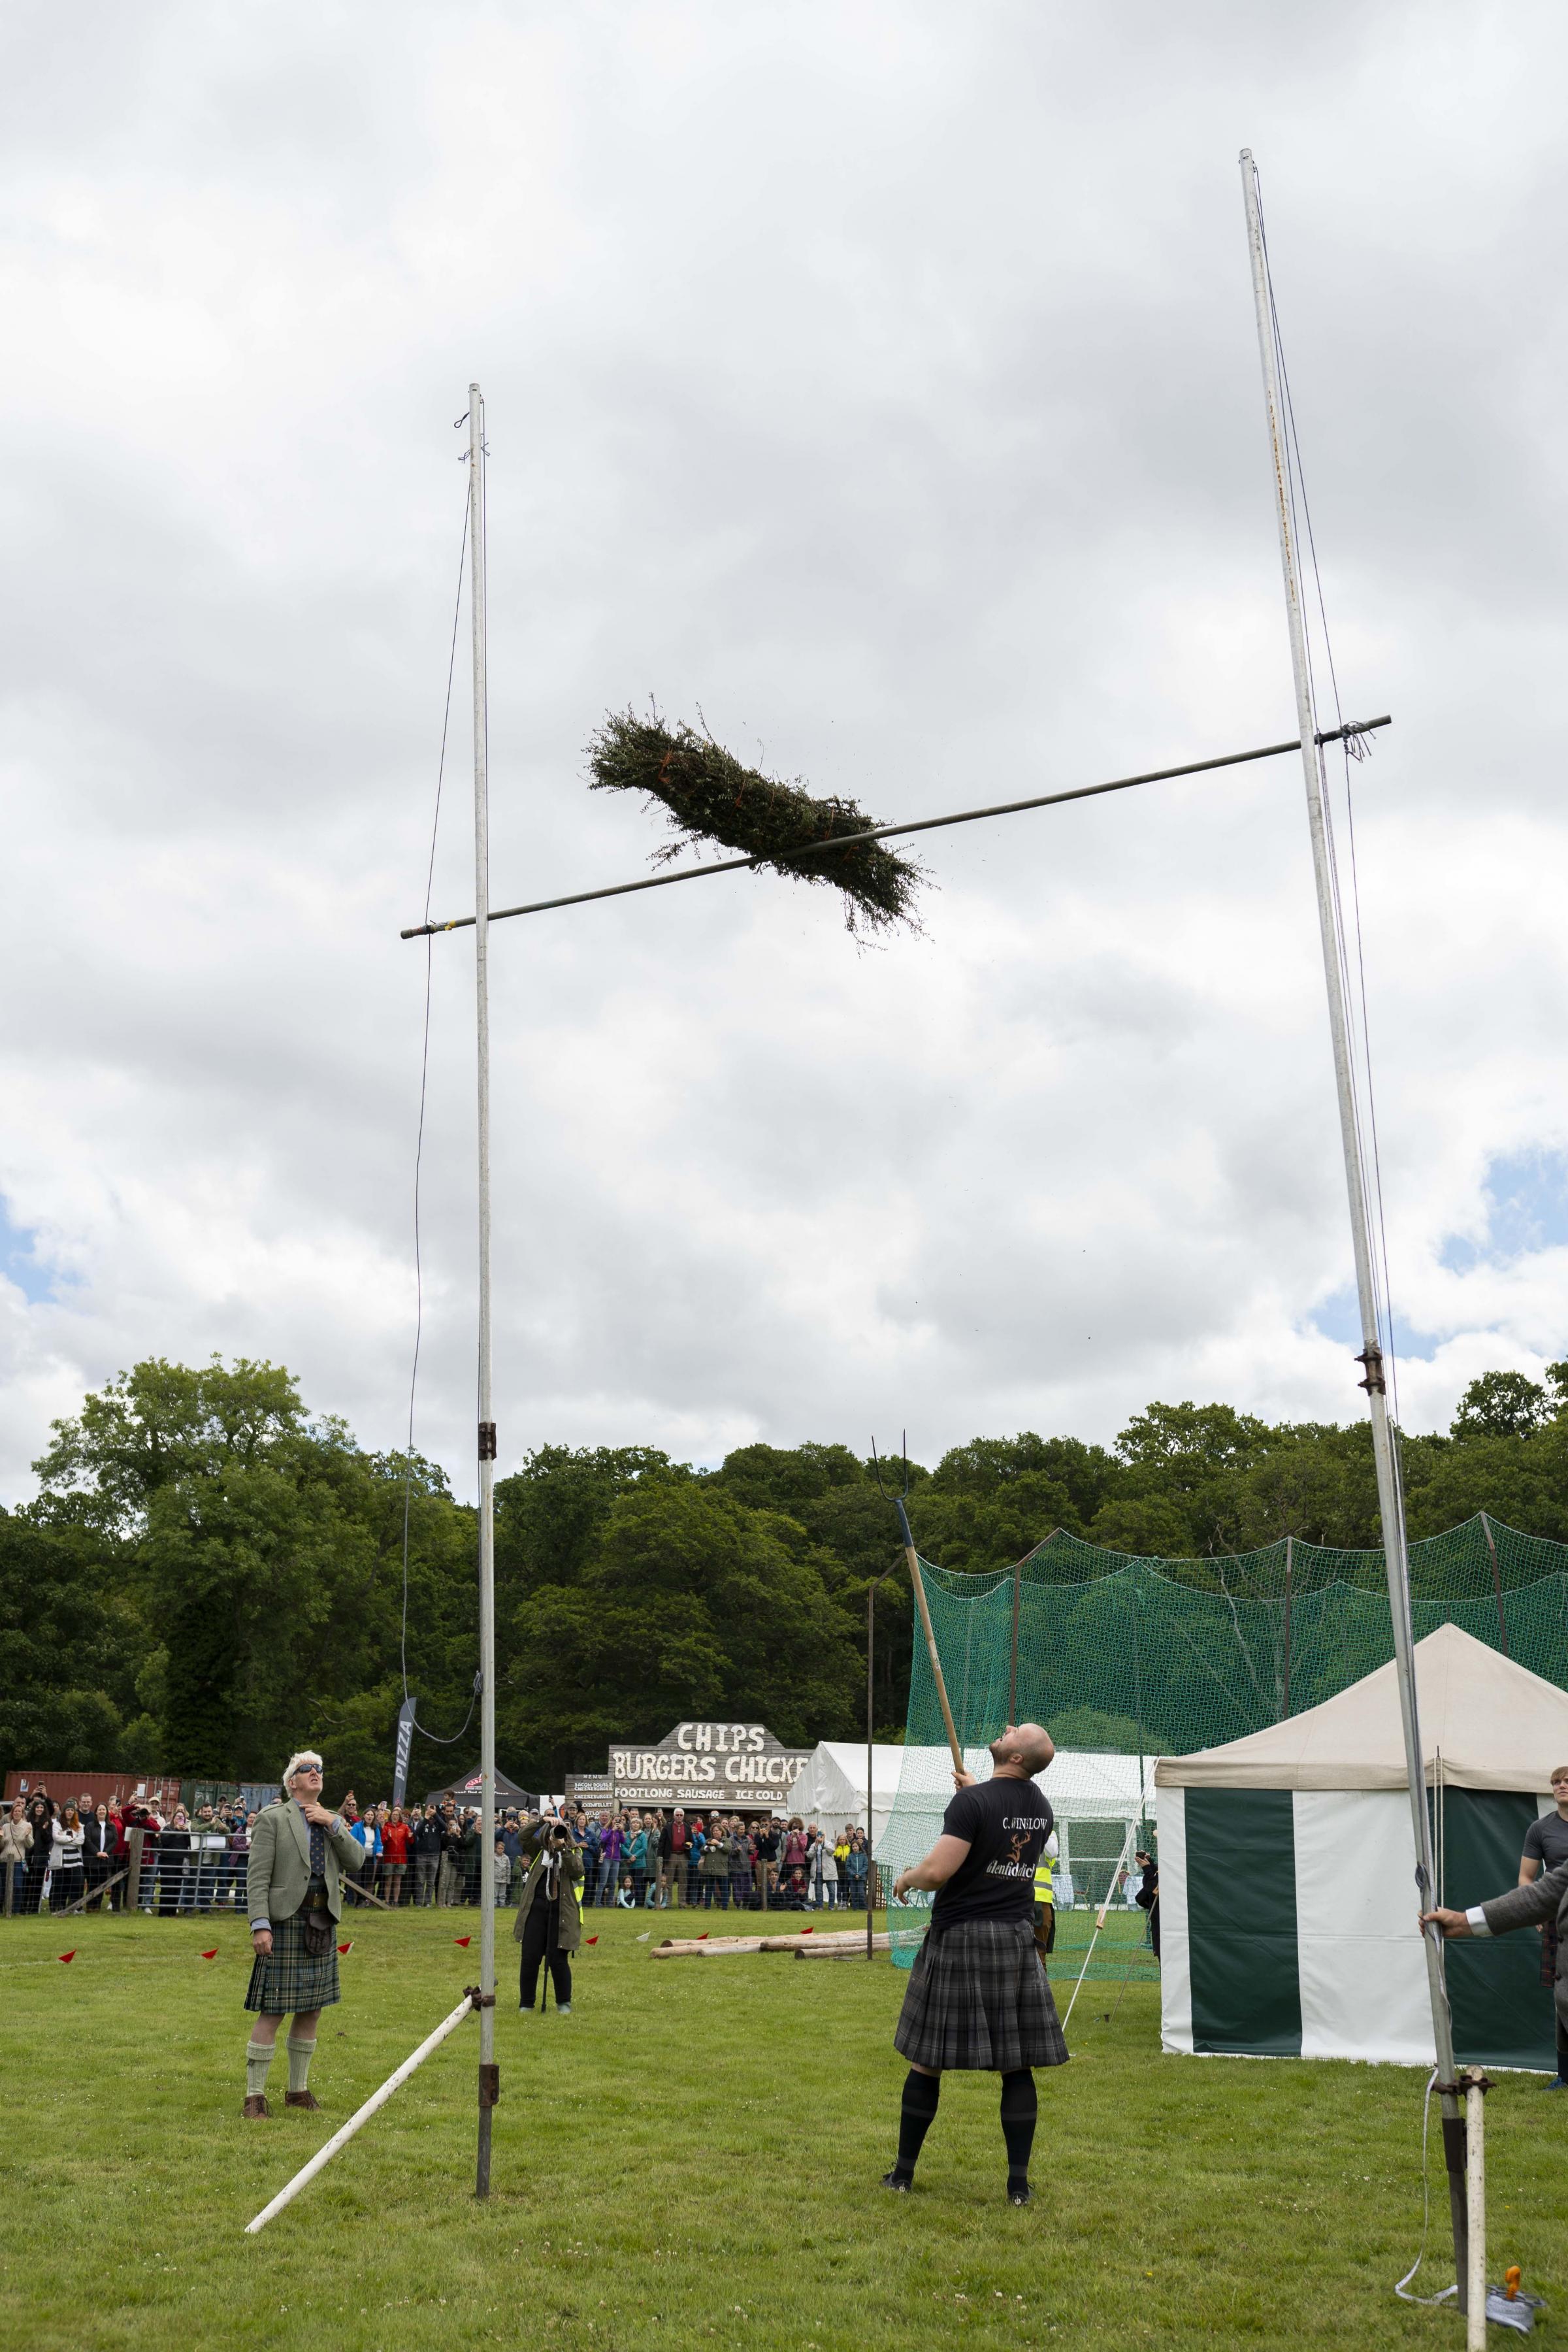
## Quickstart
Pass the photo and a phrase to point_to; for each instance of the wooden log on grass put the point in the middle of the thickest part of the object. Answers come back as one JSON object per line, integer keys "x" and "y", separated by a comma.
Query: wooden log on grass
{"x": 719, "y": 1947}
{"x": 855, "y": 1950}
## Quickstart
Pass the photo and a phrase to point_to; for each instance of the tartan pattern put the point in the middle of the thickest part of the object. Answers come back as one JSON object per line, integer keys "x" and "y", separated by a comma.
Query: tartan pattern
{"x": 291, "y": 1978}
{"x": 978, "y": 1998}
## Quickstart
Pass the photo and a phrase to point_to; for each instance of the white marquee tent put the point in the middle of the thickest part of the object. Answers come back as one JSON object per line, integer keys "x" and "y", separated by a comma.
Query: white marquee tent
{"x": 1287, "y": 1870}
{"x": 831, "y": 1791}
{"x": 1083, "y": 1786}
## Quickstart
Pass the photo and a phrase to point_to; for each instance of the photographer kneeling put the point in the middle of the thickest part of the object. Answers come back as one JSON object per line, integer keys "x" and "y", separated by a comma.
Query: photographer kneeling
{"x": 1523, "y": 1907}
{"x": 548, "y": 1924}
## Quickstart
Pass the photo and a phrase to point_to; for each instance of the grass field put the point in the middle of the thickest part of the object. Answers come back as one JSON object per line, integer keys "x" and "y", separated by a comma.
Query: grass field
{"x": 691, "y": 2158}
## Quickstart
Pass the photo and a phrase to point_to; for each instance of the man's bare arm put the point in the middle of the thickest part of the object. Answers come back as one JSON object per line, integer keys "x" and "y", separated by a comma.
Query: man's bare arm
{"x": 945, "y": 1856}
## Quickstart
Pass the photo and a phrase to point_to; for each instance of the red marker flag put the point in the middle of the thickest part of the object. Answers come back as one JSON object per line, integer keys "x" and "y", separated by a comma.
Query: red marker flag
{"x": 211, "y": 1954}
{"x": 703, "y": 1937}
{"x": 808, "y": 1931}
{"x": 71, "y": 1955}
{"x": 592, "y": 1940}
{"x": 464, "y": 1940}
{"x": 348, "y": 1947}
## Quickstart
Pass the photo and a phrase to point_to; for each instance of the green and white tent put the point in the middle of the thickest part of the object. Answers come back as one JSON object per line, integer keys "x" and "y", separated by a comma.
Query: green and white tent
{"x": 1288, "y": 1873}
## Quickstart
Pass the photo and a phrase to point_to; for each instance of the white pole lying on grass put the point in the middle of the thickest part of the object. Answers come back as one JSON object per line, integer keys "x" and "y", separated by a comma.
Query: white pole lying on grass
{"x": 1100, "y": 1922}
{"x": 324, "y": 2156}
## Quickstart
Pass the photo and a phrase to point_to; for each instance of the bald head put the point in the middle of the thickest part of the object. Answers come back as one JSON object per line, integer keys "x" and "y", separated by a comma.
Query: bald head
{"x": 1024, "y": 1748}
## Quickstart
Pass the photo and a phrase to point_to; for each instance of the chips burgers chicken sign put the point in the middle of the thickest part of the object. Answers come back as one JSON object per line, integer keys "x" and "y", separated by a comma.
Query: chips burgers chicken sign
{"x": 725, "y": 1766}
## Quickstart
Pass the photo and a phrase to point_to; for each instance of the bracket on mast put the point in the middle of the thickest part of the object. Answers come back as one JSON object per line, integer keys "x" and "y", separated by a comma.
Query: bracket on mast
{"x": 1373, "y": 1383}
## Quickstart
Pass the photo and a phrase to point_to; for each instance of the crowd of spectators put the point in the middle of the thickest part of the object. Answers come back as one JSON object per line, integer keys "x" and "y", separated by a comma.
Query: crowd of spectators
{"x": 53, "y": 1853}
{"x": 723, "y": 1860}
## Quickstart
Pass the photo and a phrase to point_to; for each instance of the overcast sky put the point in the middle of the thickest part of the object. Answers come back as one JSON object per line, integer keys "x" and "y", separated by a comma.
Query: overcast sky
{"x": 881, "y": 380}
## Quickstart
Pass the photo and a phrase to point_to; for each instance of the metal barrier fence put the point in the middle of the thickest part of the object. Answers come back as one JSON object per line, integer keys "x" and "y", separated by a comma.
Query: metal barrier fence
{"x": 173, "y": 1882}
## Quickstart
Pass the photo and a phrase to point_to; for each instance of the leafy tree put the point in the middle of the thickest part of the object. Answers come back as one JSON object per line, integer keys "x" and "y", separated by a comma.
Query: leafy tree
{"x": 250, "y": 1552}
{"x": 689, "y": 1604}
{"x": 1501, "y": 1405}
{"x": 70, "y": 1649}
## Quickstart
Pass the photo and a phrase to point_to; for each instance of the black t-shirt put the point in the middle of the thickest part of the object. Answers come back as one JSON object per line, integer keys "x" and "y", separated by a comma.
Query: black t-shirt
{"x": 1006, "y": 1822}
{"x": 1546, "y": 1840}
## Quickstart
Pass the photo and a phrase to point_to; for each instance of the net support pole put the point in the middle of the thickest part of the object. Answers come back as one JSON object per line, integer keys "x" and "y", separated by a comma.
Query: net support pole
{"x": 872, "y": 1591}
{"x": 489, "y": 2074}
{"x": 1013, "y": 1654}
{"x": 1390, "y": 1497}
{"x": 1476, "y": 2088}
{"x": 361, "y": 2115}
{"x": 1100, "y": 1921}
{"x": 918, "y": 1580}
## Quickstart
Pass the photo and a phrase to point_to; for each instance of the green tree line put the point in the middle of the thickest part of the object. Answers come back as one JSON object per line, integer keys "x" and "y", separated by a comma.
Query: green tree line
{"x": 211, "y": 1574}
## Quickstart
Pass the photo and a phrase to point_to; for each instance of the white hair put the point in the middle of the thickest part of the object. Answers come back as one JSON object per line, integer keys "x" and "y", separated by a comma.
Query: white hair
{"x": 301, "y": 1756}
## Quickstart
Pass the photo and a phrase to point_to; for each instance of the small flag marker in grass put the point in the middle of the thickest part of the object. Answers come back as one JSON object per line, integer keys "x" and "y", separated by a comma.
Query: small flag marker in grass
{"x": 592, "y": 1940}
{"x": 348, "y": 1947}
{"x": 211, "y": 1954}
{"x": 704, "y": 1936}
{"x": 808, "y": 1931}
{"x": 464, "y": 1940}
{"x": 71, "y": 1955}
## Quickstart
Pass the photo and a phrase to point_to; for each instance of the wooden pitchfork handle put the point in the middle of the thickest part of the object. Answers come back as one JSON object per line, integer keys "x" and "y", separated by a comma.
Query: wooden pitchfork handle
{"x": 918, "y": 1582}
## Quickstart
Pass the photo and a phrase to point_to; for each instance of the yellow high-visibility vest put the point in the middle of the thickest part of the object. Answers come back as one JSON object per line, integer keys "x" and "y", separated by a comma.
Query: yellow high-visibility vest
{"x": 1045, "y": 1872}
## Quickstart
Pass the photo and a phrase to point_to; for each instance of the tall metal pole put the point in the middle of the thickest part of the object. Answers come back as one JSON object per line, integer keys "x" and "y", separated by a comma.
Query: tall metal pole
{"x": 488, "y": 2071}
{"x": 872, "y": 1591}
{"x": 1390, "y": 1497}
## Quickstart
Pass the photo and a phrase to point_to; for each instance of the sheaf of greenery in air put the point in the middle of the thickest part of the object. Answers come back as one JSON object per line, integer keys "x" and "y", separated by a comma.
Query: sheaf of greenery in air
{"x": 710, "y": 796}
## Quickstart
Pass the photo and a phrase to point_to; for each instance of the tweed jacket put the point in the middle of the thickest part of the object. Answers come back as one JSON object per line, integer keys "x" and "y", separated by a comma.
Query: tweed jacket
{"x": 569, "y": 1929}
{"x": 280, "y": 1862}
{"x": 1545, "y": 1897}
{"x": 1525, "y": 1906}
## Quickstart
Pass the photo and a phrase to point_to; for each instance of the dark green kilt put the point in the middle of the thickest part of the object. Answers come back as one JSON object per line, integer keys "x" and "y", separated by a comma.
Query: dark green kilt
{"x": 291, "y": 1978}
{"x": 978, "y": 1996}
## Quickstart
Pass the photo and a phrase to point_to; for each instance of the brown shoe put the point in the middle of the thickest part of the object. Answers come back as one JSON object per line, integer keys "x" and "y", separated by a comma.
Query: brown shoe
{"x": 301, "y": 2099}
{"x": 256, "y": 2105}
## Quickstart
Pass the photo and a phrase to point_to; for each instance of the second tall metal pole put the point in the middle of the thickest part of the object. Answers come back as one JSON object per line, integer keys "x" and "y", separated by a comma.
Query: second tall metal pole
{"x": 1390, "y": 1496}
{"x": 488, "y": 2071}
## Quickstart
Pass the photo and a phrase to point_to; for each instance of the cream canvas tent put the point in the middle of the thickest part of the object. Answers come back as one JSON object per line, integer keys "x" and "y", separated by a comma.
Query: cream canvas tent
{"x": 1288, "y": 1891}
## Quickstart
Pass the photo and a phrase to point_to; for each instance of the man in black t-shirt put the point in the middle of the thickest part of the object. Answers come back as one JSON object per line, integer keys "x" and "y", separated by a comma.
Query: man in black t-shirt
{"x": 978, "y": 1996}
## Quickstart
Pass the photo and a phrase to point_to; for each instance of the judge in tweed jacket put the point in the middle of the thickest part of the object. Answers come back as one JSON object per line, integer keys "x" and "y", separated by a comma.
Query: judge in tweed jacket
{"x": 1545, "y": 1897}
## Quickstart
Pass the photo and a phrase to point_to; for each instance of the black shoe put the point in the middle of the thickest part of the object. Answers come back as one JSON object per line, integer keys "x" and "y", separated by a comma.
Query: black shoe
{"x": 900, "y": 2182}
{"x": 1019, "y": 2193}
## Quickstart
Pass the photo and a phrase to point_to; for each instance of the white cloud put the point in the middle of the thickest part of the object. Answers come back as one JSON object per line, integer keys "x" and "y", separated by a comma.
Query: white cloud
{"x": 882, "y": 380}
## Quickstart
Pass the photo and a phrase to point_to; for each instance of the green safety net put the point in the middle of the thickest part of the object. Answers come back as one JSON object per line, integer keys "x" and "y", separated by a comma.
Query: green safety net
{"x": 1158, "y": 1657}
{"x": 1162, "y": 1656}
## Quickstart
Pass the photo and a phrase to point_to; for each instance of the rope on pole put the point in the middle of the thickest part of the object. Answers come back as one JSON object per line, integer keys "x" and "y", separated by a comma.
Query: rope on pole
{"x": 339, "y": 2139}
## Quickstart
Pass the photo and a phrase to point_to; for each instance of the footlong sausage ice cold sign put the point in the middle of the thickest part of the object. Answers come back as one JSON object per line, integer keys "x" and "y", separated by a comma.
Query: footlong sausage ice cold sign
{"x": 700, "y": 1765}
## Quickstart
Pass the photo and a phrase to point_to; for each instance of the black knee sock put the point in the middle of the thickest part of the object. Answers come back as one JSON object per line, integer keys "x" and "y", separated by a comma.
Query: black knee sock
{"x": 1019, "y": 2109}
{"x": 916, "y": 2116}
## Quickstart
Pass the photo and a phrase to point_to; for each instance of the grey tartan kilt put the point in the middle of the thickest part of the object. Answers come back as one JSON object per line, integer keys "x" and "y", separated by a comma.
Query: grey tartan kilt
{"x": 979, "y": 1997}
{"x": 291, "y": 1978}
